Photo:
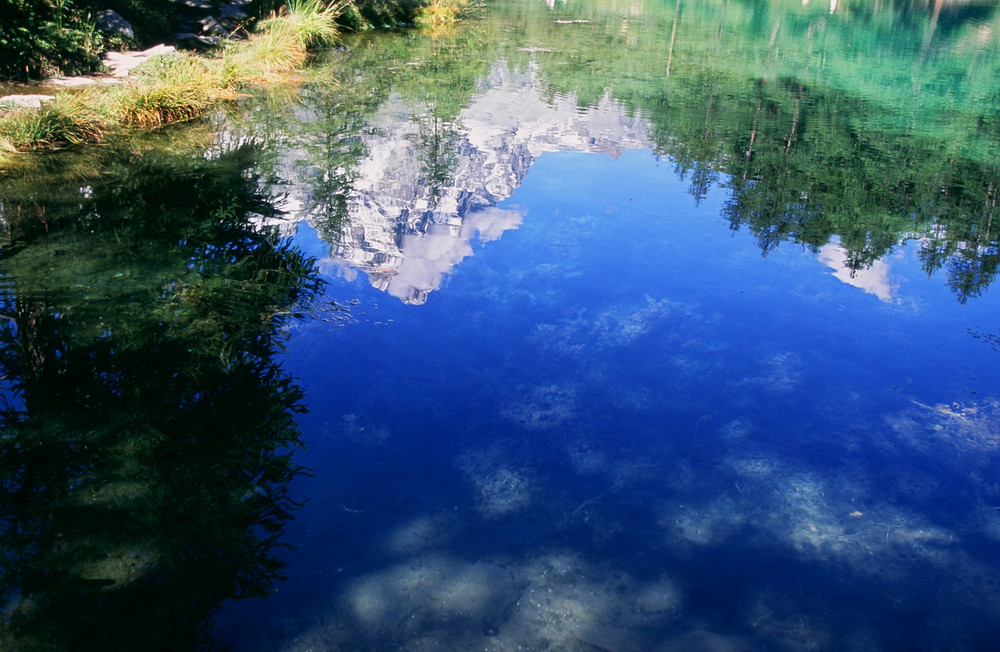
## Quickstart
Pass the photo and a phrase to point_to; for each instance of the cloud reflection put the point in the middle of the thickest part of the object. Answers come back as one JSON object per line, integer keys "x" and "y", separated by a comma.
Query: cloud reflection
{"x": 872, "y": 280}
{"x": 428, "y": 257}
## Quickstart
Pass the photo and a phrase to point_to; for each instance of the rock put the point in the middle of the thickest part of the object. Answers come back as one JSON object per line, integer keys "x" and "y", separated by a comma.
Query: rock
{"x": 121, "y": 63}
{"x": 232, "y": 12}
{"x": 24, "y": 101}
{"x": 112, "y": 23}
{"x": 76, "y": 82}
{"x": 72, "y": 82}
{"x": 212, "y": 27}
{"x": 158, "y": 50}
{"x": 196, "y": 4}
{"x": 196, "y": 42}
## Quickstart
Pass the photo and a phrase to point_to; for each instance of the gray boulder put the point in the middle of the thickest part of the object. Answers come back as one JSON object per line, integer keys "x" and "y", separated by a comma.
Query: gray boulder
{"x": 196, "y": 42}
{"x": 211, "y": 27}
{"x": 110, "y": 22}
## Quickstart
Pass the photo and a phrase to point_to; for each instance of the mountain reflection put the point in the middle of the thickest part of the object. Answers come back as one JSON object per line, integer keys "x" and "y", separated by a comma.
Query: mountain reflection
{"x": 874, "y": 280}
{"x": 424, "y": 188}
{"x": 425, "y": 258}
{"x": 146, "y": 426}
{"x": 863, "y": 128}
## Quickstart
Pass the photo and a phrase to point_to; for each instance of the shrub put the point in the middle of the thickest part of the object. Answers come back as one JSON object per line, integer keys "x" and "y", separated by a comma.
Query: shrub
{"x": 46, "y": 37}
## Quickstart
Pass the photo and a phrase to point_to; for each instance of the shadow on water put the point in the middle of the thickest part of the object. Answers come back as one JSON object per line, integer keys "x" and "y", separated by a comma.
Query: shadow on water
{"x": 147, "y": 428}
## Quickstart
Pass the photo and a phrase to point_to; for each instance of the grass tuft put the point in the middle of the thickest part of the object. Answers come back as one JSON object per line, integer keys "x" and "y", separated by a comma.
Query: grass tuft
{"x": 281, "y": 42}
{"x": 262, "y": 58}
{"x": 166, "y": 89}
{"x": 312, "y": 23}
{"x": 438, "y": 14}
{"x": 71, "y": 119}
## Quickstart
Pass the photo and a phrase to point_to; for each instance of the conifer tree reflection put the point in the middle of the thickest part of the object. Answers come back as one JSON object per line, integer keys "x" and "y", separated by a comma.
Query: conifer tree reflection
{"x": 147, "y": 428}
{"x": 871, "y": 126}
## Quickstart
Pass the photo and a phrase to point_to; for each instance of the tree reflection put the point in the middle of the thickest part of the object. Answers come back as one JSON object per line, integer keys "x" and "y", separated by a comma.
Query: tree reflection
{"x": 329, "y": 138}
{"x": 436, "y": 142}
{"x": 871, "y": 189}
{"x": 147, "y": 429}
{"x": 873, "y": 125}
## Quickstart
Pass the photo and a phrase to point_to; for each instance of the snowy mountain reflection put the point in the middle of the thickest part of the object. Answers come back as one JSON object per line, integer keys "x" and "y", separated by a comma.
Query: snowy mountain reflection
{"x": 415, "y": 201}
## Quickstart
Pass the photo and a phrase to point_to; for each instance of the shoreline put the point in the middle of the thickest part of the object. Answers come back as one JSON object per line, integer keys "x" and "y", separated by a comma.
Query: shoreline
{"x": 180, "y": 86}
{"x": 118, "y": 64}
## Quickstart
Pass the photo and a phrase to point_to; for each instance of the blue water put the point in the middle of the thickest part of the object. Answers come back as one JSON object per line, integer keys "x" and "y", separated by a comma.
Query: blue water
{"x": 618, "y": 426}
{"x": 558, "y": 398}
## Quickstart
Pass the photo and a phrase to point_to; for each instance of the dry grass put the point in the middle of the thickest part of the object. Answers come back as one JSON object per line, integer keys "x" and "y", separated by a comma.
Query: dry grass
{"x": 438, "y": 14}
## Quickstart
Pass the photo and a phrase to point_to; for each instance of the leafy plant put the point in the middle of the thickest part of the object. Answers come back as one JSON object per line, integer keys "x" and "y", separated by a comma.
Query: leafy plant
{"x": 46, "y": 37}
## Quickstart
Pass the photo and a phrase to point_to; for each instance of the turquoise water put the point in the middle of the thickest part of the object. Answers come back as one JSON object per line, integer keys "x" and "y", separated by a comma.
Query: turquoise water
{"x": 660, "y": 326}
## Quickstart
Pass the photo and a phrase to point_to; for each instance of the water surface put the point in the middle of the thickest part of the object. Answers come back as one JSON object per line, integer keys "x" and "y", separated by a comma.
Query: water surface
{"x": 643, "y": 327}
{"x": 575, "y": 407}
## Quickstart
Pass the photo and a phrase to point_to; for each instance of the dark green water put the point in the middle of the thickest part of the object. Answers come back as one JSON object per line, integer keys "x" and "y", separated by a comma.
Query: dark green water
{"x": 599, "y": 326}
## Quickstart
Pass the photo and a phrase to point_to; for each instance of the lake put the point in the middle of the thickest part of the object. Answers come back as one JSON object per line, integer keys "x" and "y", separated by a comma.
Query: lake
{"x": 585, "y": 325}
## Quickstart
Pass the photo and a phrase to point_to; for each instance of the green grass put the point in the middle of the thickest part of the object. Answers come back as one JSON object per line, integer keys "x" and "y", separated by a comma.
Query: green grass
{"x": 265, "y": 57}
{"x": 170, "y": 88}
{"x": 72, "y": 119}
{"x": 312, "y": 23}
